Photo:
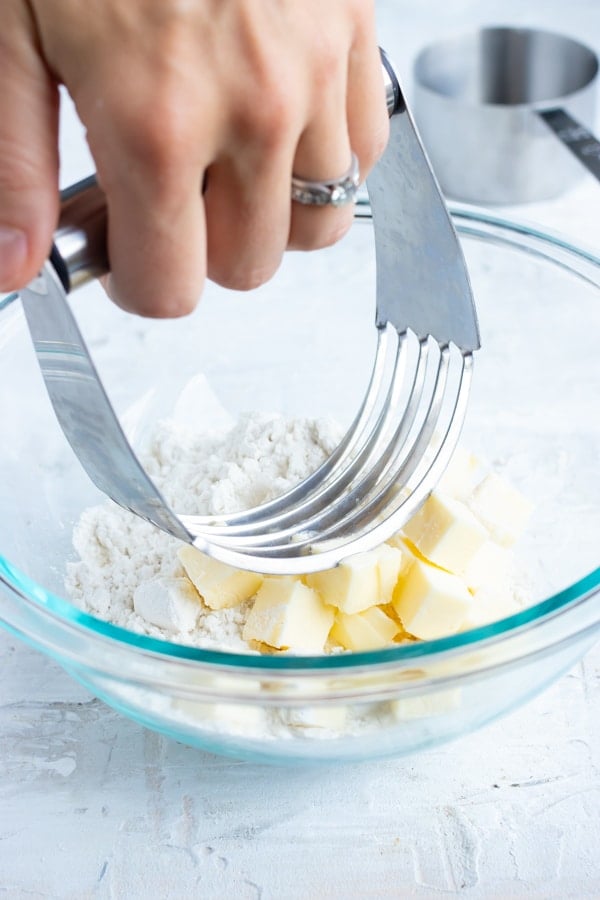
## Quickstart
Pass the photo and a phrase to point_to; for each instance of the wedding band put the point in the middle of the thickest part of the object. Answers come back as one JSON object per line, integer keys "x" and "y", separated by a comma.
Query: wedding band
{"x": 332, "y": 192}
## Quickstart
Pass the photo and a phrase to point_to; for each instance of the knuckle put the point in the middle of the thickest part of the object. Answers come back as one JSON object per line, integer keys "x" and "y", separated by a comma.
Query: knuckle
{"x": 329, "y": 67}
{"x": 162, "y": 139}
{"x": 151, "y": 130}
{"x": 265, "y": 114}
{"x": 362, "y": 12}
{"x": 270, "y": 125}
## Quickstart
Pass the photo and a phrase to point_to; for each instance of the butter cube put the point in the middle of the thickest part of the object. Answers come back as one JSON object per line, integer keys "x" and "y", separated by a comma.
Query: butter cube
{"x": 462, "y": 474}
{"x": 352, "y": 586}
{"x": 489, "y": 566}
{"x": 169, "y": 603}
{"x": 446, "y": 533}
{"x": 389, "y": 564}
{"x": 289, "y": 615}
{"x": 368, "y": 630}
{"x": 220, "y": 586}
{"x": 490, "y": 605}
{"x": 428, "y": 705}
{"x": 235, "y": 717}
{"x": 407, "y": 552}
{"x": 501, "y": 508}
{"x": 431, "y": 603}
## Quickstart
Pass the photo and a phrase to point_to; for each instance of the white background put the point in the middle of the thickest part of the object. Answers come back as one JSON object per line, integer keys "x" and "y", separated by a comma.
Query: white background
{"x": 93, "y": 806}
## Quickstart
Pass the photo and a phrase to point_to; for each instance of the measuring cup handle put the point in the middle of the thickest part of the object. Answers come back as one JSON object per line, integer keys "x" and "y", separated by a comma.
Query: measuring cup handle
{"x": 575, "y": 136}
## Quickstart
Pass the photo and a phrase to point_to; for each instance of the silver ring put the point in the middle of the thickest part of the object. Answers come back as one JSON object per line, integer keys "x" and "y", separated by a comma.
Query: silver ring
{"x": 331, "y": 192}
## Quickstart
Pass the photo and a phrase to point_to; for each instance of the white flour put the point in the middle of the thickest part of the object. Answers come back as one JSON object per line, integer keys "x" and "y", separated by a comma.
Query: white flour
{"x": 260, "y": 457}
{"x": 248, "y": 463}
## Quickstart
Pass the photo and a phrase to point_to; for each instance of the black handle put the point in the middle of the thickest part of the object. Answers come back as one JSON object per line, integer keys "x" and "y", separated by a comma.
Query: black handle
{"x": 576, "y": 137}
{"x": 79, "y": 253}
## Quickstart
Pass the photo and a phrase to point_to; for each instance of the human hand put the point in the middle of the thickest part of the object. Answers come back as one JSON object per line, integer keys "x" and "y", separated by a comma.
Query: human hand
{"x": 235, "y": 95}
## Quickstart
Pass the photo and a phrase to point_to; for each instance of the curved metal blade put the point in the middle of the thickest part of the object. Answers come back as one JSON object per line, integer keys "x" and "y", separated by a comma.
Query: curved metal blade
{"x": 422, "y": 279}
{"x": 82, "y": 407}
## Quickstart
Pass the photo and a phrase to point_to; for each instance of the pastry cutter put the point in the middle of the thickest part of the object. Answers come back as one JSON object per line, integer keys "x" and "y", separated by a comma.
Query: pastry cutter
{"x": 408, "y": 424}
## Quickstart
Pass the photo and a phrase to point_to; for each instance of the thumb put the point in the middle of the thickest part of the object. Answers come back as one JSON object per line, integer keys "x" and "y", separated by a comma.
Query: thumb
{"x": 28, "y": 153}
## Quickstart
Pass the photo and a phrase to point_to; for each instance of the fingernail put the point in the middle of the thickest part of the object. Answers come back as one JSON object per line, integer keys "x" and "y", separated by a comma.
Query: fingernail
{"x": 13, "y": 253}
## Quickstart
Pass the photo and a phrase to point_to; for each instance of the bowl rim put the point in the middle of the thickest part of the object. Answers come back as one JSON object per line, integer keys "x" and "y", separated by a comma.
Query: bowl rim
{"x": 472, "y": 222}
{"x": 539, "y": 614}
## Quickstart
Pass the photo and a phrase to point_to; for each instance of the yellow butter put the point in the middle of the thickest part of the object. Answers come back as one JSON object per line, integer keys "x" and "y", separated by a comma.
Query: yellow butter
{"x": 389, "y": 564}
{"x": 490, "y": 604}
{"x": 360, "y": 581}
{"x": 221, "y": 716}
{"x": 501, "y": 508}
{"x": 446, "y": 532}
{"x": 220, "y": 586}
{"x": 462, "y": 474}
{"x": 431, "y": 602}
{"x": 289, "y": 615}
{"x": 489, "y": 566}
{"x": 427, "y": 705}
{"x": 368, "y": 630}
{"x": 352, "y": 586}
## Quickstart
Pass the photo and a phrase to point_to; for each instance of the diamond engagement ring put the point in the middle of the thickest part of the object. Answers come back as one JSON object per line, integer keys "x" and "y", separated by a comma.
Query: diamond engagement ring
{"x": 330, "y": 192}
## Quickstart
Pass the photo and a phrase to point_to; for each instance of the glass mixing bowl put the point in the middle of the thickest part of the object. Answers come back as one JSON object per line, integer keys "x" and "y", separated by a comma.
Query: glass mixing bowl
{"x": 303, "y": 345}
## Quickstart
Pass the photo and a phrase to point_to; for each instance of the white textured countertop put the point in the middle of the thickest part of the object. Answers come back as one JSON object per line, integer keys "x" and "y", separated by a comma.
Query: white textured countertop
{"x": 94, "y": 806}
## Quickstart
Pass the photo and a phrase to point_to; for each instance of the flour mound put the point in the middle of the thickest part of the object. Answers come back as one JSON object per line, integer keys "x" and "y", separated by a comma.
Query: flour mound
{"x": 260, "y": 457}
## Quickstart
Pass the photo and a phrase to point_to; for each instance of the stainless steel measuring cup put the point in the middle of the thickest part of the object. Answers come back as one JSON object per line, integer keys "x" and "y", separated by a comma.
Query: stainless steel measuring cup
{"x": 505, "y": 113}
